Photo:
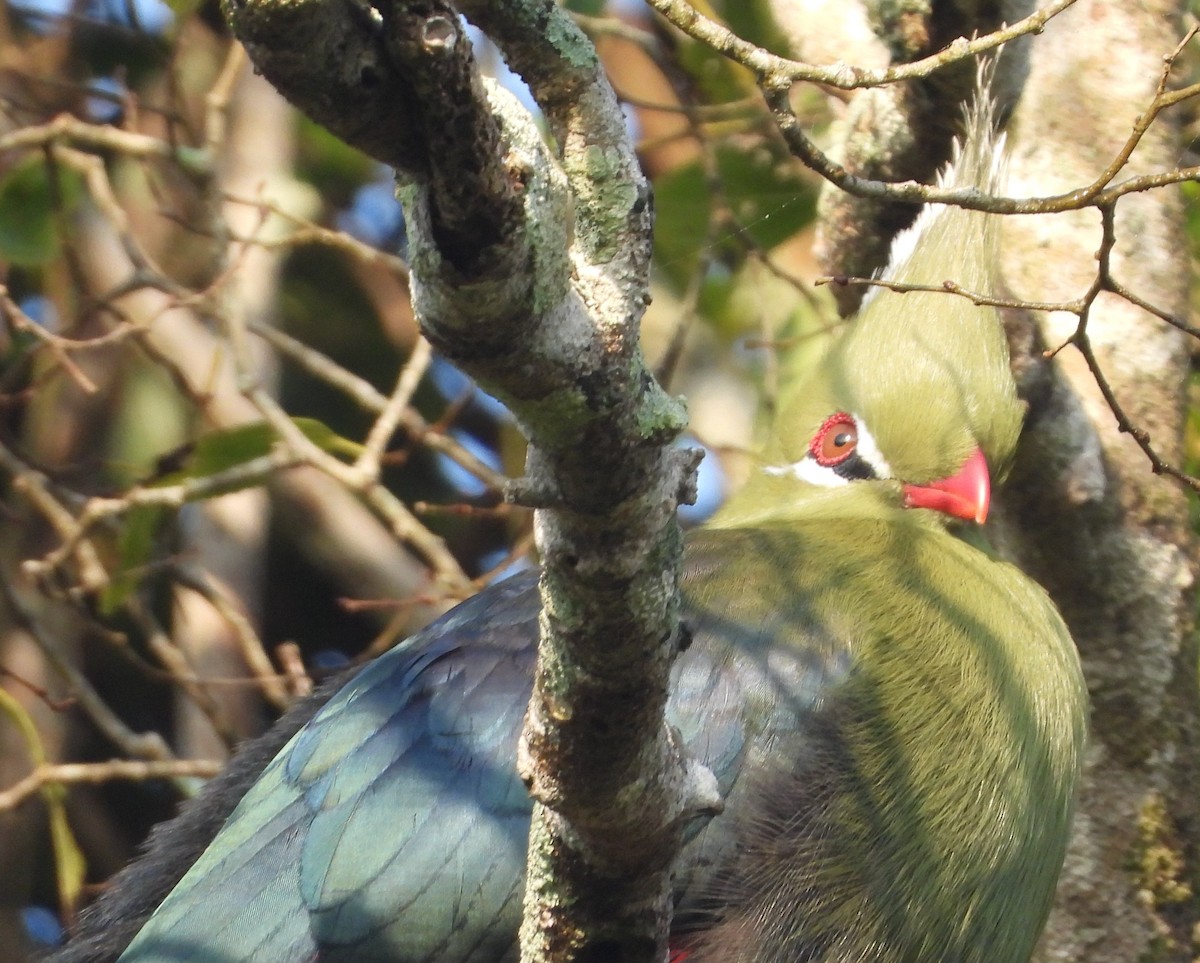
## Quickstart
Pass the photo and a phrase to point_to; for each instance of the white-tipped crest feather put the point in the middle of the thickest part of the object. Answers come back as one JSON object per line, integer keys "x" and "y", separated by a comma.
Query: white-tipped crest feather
{"x": 942, "y": 233}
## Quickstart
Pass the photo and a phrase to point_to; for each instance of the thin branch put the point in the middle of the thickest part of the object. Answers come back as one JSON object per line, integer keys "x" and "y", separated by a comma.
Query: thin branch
{"x": 37, "y": 489}
{"x": 63, "y": 774}
{"x": 59, "y": 347}
{"x": 779, "y": 72}
{"x": 402, "y": 522}
{"x": 1094, "y": 194}
{"x": 366, "y": 396}
{"x": 101, "y": 137}
{"x": 305, "y": 232}
{"x": 950, "y": 287}
{"x": 175, "y": 661}
{"x": 216, "y": 101}
{"x": 249, "y": 644}
{"x": 393, "y": 412}
{"x": 74, "y": 530}
{"x": 1082, "y": 342}
{"x": 147, "y": 745}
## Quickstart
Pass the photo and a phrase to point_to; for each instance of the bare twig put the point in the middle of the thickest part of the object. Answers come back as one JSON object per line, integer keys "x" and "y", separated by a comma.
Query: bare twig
{"x": 249, "y": 645}
{"x": 98, "y": 772}
{"x": 779, "y": 72}
{"x": 393, "y": 412}
{"x": 148, "y": 745}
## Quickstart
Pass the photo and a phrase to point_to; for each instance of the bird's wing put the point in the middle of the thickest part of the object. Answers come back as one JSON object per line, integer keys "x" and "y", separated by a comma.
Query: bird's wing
{"x": 393, "y": 825}
{"x": 394, "y": 815}
{"x": 418, "y": 829}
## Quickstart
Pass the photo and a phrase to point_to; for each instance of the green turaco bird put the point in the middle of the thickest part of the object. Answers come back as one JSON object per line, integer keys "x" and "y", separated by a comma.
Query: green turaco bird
{"x": 895, "y": 717}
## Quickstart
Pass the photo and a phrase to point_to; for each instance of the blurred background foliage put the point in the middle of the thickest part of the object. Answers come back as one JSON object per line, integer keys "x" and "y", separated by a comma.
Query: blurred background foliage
{"x": 171, "y": 233}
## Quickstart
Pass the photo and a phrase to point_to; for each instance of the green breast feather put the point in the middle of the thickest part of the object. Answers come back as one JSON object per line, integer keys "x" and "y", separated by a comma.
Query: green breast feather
{"x": 919, "y": 809}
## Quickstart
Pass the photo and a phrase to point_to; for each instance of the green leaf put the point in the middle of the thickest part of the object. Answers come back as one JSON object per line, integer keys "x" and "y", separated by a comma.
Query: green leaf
{"x": 217, "y": 451}
{"x": 716, "y": 78}
{"x": 184, "y": 8}
{"x": 140, "y": 535}
{"x": 754, "y": 22}
{"x": 1191, "y": 193}
{"x": 209, "y": 455}
{"x": 70, "y": 866}
{"x": 28, "y": 215}
{"x": 328, "y": 440}
{"x": 226, "y": 448}
{"x": 682, "y": 210}
{"x": 769, "y": 199}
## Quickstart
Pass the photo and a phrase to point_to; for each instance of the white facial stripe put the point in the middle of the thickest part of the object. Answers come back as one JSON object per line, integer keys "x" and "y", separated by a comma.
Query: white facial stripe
{"x": 869, "y": 450}
{"x": 807, "y": 469}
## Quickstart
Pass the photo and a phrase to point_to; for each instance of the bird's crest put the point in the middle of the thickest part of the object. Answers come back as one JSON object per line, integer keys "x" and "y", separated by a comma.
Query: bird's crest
{"x": 936, "y": 239}
{"x": 956, "y": 349}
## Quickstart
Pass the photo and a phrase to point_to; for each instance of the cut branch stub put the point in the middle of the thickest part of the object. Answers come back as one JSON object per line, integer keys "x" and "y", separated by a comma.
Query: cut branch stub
{"x": 476, "y": 197}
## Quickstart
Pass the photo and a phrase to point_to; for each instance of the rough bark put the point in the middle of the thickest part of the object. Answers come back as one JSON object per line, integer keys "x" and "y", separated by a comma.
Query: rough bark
{"x": 1089, "y": 519}
{"x": 530, "y": 271}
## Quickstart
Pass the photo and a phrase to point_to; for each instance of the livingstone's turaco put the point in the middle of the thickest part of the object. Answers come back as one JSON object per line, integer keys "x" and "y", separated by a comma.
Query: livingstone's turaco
{"x": 896, "y": 719}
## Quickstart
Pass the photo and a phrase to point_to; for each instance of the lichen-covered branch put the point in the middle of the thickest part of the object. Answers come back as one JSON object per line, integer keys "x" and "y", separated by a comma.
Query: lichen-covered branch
{"x": 529, "y": 269}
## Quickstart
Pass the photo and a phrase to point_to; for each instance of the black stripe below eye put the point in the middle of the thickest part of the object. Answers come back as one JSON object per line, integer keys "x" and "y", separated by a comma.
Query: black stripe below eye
{"x": 855, "y": 468}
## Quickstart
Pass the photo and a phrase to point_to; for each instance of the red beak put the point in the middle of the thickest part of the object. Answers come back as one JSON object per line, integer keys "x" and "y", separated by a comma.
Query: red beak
{"x": 967, "y": 495}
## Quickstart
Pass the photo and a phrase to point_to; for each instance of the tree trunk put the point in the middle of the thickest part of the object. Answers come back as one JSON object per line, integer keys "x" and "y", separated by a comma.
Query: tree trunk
{"x": 1086, "y": 516}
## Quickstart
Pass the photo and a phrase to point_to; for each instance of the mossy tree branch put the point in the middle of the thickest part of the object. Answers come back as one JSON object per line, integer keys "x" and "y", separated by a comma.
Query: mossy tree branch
{"x": 530, "y": 269}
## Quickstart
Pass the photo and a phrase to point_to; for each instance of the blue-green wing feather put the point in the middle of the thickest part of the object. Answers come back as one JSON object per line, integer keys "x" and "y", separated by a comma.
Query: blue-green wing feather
{"x": 395, "y": 815}
{"x": 238, "y": 901}
{"x": 393, "y": 826}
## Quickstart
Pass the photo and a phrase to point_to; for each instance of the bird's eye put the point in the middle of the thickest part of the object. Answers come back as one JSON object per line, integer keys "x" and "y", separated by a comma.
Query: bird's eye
{"x": 835, "y": 441}
{"x": 841, "y": 451}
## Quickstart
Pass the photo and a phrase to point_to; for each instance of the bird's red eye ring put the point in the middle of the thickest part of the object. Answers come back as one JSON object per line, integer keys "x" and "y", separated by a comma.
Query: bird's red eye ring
{"x": 835, "y": 440}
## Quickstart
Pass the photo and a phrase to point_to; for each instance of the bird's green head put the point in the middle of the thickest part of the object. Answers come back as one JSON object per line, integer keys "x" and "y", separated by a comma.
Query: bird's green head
{"x": 917, "y": 395}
